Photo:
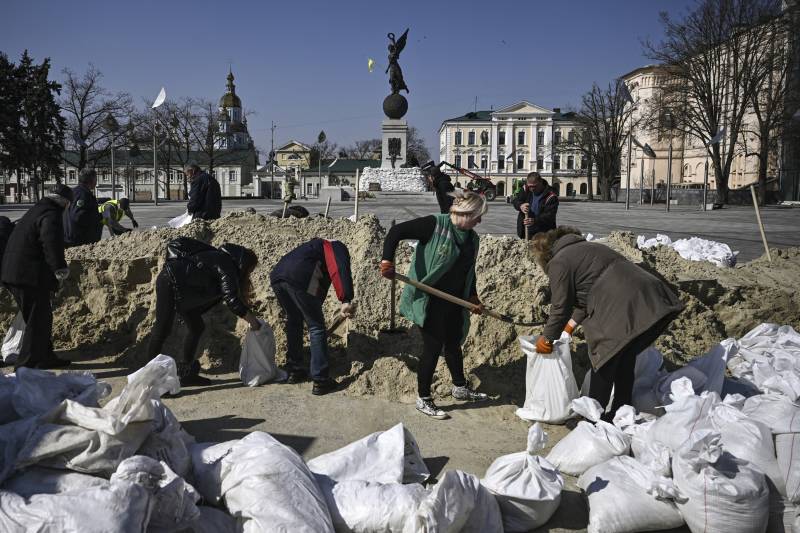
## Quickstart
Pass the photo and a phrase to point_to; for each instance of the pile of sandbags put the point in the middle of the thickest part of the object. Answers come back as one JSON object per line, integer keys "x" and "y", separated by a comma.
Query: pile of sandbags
{"x": 693, "y": 249}
{"x": 394, "y": 179}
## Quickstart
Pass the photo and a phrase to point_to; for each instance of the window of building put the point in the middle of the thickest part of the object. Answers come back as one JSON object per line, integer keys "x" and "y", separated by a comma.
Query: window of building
{"x": 72, "y": 176}
{"x": 557, "y": 137}
{"x": 483, "y": 161}
{"x": 584, "y": 163}
{"x": 458, "y": 137}
{"x": 484, "y": 137}
{"x": 457, "y": 161}
{"x": 570, "y": 189}
{"x": 232, "y": 176}
{"x": 571, "y": 162}
{"x": 520, "y": 162}
{"x": 471, "y": 161}
{"x": 540, "y": 163}
{"x": 539, "y": 137}
{"x": 571, "y": 136}
{"x": 583, "y": 188}
{"x": 501, "y": 138}
{"x": 471, "y": 137}
{"x": 501, "y": 163}
{"x": 557, "y": 162}
{"x": 520, "y": 137}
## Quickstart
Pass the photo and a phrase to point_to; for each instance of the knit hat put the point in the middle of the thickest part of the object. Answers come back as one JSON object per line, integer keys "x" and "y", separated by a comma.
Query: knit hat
{"x": 61, "y": 190}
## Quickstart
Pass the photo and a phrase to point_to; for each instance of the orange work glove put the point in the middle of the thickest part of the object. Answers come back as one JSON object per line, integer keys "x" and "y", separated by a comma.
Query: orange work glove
{"x": 543, "y": 345}
{"x": 570, "y": 327}
{"x": 387, "y": 269}
{"x": 475, "y": 300}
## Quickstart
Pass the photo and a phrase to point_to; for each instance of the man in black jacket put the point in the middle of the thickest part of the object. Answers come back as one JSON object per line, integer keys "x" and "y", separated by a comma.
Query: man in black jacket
{"x": 82, "y": 221}
{"x": 301, "y": 280}
{"x": 537, "y": 204}
{"x": 33, "y": 267}
{"x": 205, "y": 199}
{"x": 190, "y": 286}
{"x": 443, "y": 185}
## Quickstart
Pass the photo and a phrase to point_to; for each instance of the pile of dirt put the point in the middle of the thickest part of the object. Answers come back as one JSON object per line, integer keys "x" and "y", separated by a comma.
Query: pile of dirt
{"x": 107, "y": 305}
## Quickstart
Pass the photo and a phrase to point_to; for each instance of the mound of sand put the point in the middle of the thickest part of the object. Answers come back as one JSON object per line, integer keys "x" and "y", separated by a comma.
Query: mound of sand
{"x": 107, "y": 305}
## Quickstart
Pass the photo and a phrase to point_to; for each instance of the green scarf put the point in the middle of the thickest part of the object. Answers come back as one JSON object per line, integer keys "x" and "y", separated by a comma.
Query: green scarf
{"x": 430, "y": 262}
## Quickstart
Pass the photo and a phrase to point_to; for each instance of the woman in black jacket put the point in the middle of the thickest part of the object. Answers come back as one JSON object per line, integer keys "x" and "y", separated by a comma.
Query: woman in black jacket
{"x": 190, "y": 286}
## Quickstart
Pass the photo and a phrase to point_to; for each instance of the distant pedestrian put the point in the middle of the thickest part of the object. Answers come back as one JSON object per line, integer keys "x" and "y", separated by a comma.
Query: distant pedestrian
{"x": 537, "y": 204}
{"x": 33, "y": 267}
{"x": 205, "y": 198}
{"x": 112, "y": 212}
{"x": 443, "y": 186}
{"x": 82, "y": 221}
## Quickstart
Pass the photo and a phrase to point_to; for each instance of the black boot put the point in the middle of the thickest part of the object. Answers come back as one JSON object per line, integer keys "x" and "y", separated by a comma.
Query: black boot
{"x": 189, "y": 375}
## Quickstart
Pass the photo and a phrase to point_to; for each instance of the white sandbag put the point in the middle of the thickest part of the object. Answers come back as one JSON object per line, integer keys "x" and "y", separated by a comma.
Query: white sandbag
{"x": 365, "y": 507}
{"x": 788, "y": 450}
{"x": 390, "y": 456}
{"x": 656, "y": 456}
{"x": 458, "y": 503}
{"x": 587, "y": 407}
{"x": 38, "y": 391}
{"x": 257, "y": 363}
{"x": 527, "y": 487}
{"x": 13, "y": 340}
{"x": 719, "y": 492}
{"x": 162, "y": 372}
{"x": 687, "y": 413}
{"x": 173, "y": 500}
{"x": 626, "y": 497}
{"x": 776, "y": 411}
{"x": 769, "y": 357}
{"x": 40, "y": 480}
{"x": 167, "y": 441}
{"x": 207, "y": 468}
{"x": 748, "y": 440}
{"x": 180, "y": 220}
{"x": 270, "y": 487}
{"x": 549, "y": 382}
{"x": 589, "y": 444}
{"x": 212, "y": 520}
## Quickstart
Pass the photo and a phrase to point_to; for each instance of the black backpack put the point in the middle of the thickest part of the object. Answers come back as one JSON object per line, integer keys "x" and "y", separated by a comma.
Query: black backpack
{"x": 183, "y": 247}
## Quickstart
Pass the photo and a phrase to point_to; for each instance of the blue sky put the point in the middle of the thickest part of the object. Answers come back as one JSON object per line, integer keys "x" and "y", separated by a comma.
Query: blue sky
{"x": 304, "y": 64}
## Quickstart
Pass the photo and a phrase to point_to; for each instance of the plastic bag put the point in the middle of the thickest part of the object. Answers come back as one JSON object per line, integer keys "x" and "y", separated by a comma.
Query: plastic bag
{"x": 38, "y": 391}
{"x": 527, "y": 487}
{"x": 549, "y": 382}
{"x": 180, "y": 220}
{"x": 626, "y": 497}
{"x": 13, "y": 340}
{"x": 257, "y": 362}
{"x": 390, "y": 456}
{"x": 364, "y": 507}
{"x": 719, "y": 492}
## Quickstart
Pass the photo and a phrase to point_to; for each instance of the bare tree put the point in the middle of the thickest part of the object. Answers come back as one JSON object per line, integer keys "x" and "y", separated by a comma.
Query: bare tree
{"x": 416, "y": 151}
{"x": 712, "y": 62}
{"x": 86, "y": 104}
{"x": 363, "y": 149}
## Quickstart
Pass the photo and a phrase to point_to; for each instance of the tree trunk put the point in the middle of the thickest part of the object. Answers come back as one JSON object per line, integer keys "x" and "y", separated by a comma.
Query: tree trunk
{"x": 589, "y": 179}
{"x": 763, "y": 160}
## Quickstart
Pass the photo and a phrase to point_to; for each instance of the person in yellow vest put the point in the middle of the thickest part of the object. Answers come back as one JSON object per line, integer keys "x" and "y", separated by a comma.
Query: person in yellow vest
{"x": 112, "y": 212}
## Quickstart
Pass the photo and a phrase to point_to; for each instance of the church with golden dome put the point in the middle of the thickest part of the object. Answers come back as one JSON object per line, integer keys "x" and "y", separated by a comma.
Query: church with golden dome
{"x": 233, "y": 132}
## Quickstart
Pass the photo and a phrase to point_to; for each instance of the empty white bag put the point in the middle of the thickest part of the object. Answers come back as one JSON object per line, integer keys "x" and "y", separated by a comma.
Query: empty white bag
{"x": 257, "y": 362}
{"x": 719, "y": 492}
{"x": 13, "y": 340}
{"x": 549, "y": 382}
{"x": 180, "y": 220}
{"x": 626, "y": 497}
{"x": 527, "y": 487}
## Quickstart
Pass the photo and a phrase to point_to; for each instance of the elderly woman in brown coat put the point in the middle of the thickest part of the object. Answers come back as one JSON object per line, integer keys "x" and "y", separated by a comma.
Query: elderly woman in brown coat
{"x": 621, "y": 307}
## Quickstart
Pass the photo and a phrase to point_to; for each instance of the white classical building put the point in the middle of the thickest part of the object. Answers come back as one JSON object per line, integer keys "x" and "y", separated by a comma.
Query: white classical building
{"x": 508, "y": 143}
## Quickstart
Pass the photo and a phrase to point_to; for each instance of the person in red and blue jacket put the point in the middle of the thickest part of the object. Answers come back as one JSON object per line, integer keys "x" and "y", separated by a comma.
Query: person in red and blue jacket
{"x": 301, "y": 280}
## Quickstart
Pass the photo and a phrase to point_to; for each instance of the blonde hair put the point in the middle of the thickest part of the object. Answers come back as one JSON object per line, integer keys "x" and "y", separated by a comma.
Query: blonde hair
{"x": 542, "y": 244}
{"x": 468, "y": 204}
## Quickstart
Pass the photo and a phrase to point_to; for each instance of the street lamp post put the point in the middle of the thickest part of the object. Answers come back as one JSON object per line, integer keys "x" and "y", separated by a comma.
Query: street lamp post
{"x": 162, "y": 96}
{"x": 626, "y": 94}
{"x": 647, "y": 151}
{"x": 112, "y": 126}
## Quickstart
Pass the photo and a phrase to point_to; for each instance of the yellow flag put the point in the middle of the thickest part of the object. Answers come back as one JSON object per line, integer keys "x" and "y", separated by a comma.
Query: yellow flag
{"x": 370, "y": 64}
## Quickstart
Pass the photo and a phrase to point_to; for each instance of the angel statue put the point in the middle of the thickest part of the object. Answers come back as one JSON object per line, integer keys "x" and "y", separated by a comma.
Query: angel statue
{"x": 394, "y": 70}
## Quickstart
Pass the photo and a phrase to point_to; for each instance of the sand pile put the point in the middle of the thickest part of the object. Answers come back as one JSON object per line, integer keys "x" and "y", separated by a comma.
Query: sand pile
{"x": 106, "y": 307}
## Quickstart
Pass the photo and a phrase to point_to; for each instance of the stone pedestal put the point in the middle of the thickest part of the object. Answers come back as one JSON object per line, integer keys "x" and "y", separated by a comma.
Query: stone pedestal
{"x": 394, "y": 129}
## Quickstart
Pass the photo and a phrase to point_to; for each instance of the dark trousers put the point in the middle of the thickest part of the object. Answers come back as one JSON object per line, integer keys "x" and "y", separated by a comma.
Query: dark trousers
{"x": 37, "y": 311}
{"x": 619, "y": 371}
{"x": 300, "y": 307}
{"x": 165, "y": 316}
{"x": 442, "y": 329}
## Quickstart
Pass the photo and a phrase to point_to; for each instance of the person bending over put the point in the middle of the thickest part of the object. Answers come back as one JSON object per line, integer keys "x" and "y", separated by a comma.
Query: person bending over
{"x": 621, "y": 307}
{"x": 112, "y": 212}
{"x": 445, "y": 259}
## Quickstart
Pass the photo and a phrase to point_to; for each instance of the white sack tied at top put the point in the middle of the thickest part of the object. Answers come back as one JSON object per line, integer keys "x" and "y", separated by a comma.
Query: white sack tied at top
{"x": 549, "y": 382}
{"x": 527, "y": 487}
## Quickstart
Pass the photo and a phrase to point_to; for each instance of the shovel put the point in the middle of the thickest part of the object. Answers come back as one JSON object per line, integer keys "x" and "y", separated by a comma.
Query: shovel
{"x": 463, "y": 303}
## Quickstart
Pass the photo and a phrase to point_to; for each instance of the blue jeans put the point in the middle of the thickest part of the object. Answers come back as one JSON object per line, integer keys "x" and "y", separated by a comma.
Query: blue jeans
{"x": 303, "y": 307}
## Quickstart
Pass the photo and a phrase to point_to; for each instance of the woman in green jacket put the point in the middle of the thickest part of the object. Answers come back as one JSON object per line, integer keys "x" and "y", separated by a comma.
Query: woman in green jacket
{"x": 445, "y": 259}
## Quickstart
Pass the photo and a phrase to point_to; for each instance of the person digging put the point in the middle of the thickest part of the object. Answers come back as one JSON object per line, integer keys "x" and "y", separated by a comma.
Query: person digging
{"x": 444, "y": 258}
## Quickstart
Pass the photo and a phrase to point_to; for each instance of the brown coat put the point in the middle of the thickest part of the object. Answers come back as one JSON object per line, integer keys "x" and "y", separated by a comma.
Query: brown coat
{"x": 612, "y": 298}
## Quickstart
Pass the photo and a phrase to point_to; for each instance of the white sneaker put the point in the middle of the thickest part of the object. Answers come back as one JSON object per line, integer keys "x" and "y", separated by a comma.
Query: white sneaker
{"x": 427, "y": 407}
{"x": 465, "y": 394}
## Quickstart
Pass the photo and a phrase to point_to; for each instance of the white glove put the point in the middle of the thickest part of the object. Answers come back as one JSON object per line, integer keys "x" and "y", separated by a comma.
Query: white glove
{"x": 62, "y": 274}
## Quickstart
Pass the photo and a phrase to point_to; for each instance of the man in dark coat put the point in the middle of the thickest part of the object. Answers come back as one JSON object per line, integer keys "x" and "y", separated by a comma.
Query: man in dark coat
{"x": 205, "y": 198}
{"x": 301, "y": 280}
{"x": 443, "y": 185}
{"x": 537, "y": 204}
{"x": 621, "y": 307}
{"x": 82, "y": 221}
{"x": 33, "y": 267}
